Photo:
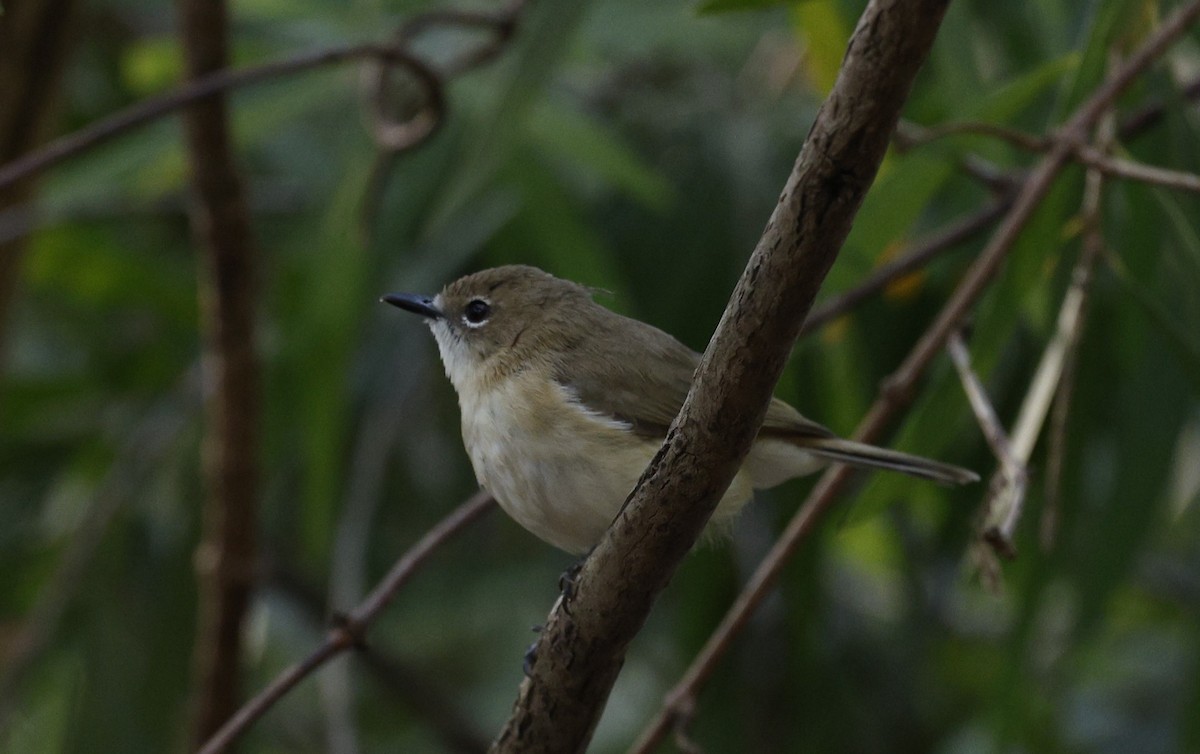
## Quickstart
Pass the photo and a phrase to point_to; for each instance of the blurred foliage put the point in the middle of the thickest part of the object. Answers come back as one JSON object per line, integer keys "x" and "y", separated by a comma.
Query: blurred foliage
{"x": 637, "y": 147}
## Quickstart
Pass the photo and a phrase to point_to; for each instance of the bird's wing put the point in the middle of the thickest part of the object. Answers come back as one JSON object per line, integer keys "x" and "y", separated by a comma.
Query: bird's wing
{"x": 785, "y": 422}
{"x": 642, "y": 376}
{"x": 639, "y": 377}
{"x": 637, "y": 374}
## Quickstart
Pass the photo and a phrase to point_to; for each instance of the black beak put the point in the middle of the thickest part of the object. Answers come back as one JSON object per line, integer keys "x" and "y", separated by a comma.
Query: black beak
{"x": 415, "y": 303}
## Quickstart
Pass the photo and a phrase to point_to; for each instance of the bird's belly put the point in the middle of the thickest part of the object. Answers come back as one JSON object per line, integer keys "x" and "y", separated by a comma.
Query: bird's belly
{"x": 559, "y": 470}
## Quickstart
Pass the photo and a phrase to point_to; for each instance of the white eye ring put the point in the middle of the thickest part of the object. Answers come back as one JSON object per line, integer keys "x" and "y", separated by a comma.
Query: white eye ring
{"x": 476, "y": 312}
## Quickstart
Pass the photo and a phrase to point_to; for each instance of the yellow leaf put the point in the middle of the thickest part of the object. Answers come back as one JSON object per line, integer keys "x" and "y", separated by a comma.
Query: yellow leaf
{"x": 905, "y": 287}
{"x": 825, "y": 34}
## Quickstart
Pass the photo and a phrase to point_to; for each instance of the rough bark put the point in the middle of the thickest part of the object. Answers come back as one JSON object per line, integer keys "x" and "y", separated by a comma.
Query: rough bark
{"x": 226, "y": 559}
{"x": 581, "y": 649}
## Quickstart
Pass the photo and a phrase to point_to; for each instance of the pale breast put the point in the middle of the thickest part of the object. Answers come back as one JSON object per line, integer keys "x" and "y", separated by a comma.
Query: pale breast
{"x": 558, "y": 469}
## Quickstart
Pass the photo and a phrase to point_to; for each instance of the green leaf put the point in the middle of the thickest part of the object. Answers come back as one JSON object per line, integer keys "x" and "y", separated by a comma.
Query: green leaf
{"x": 1109, "y": 22}
{"x": 546, "y": 34}
{"x": 1003, "y": 104}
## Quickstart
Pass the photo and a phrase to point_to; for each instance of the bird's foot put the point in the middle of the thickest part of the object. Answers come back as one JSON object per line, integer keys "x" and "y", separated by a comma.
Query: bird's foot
{"x": 531, "y": 655}
{"x": 567, "y": 579}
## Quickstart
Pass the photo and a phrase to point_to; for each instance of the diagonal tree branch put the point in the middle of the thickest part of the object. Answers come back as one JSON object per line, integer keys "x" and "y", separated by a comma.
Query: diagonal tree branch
{"x": 350, "y": 630}
{"x": 1118, "y": 167}
{"x": 918, "y": 256}
{"x": 412, "y": 686}
{"x": 1072, "y": 320}
{"x": 1074, "y": 132}
{"x": 393, "y": 134}
{"x": 580, "y": 651}
{"x": 989, "y": 423}
{"x": 198, "y": 88}
{"x": 1151, "y": 114}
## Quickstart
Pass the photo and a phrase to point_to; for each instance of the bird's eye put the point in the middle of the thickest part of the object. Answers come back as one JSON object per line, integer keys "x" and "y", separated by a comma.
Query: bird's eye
{"x": 477, "y": 311}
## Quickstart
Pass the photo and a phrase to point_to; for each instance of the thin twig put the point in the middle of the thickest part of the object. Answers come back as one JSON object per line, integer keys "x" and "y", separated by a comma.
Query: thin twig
{"x": 1007, "y": 496}
{"x": 1035, "y": 188}
{"x": 899, "y": 387}
{"x": 1012, "y": 477}
{"x": 392, "y": 136}
{"x": 350, "y": 630}
{"x": 1116, "y": 167}
{"x": 1133, "y": 170}
{"x": 985, "y": 414}
{"x": 1078, "y": 293}
{"x": 911, "y": 135}
{"x": 414, "y": 688}
{"x": 680, "y": 700}
{"x": 1149, "y": 115}
{"x": 914, "y": 259}
{"x": 146, "y": 111}
{"x": 996, "y": 179}
{"x": 501, "y": 23}
{"x": 1081, "y": 284}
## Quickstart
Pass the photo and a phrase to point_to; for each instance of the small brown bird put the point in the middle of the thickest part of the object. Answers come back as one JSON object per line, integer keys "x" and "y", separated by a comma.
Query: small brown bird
{"x": 564, "y": 403}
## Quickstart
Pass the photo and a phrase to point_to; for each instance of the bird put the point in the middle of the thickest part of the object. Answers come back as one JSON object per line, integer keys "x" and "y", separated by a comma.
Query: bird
{"x": 564, "y": 402}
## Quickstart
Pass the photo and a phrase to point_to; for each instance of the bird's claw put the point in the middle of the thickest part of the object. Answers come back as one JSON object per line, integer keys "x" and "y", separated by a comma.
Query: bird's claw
{"x": 567, "y": 580}
{"x": 530, "y": 660}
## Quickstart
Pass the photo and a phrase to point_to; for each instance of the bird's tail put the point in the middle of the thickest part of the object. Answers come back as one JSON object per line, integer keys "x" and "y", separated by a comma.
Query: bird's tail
{"x": 859, "y": 454}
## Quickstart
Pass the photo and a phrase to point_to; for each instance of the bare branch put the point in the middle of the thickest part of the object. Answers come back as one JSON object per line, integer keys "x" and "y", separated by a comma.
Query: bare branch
{"x": 1035, "y": 188}
{"x": 74, "y": 144}
{"x": 1133, "y": 170}
{"x": 395, "y": 135}
{"x": 350, "y": 630}
{"x": 392, "y": 136}
{"x": 1012, "y": 478}
{"x": 914, "y": 259}
{"x": 1116, "y": 167}
{"x": 914, "y": 135}
{"x": 1151, "y": 114}
{"x": 1007, "y": 493}
{"x": 680, "y": 700}
{"x": 1071, "y": 323}
{"x": 1081, "y": 285}
{"x": 981, "y": 405}
{"x": 429, "y": 701}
